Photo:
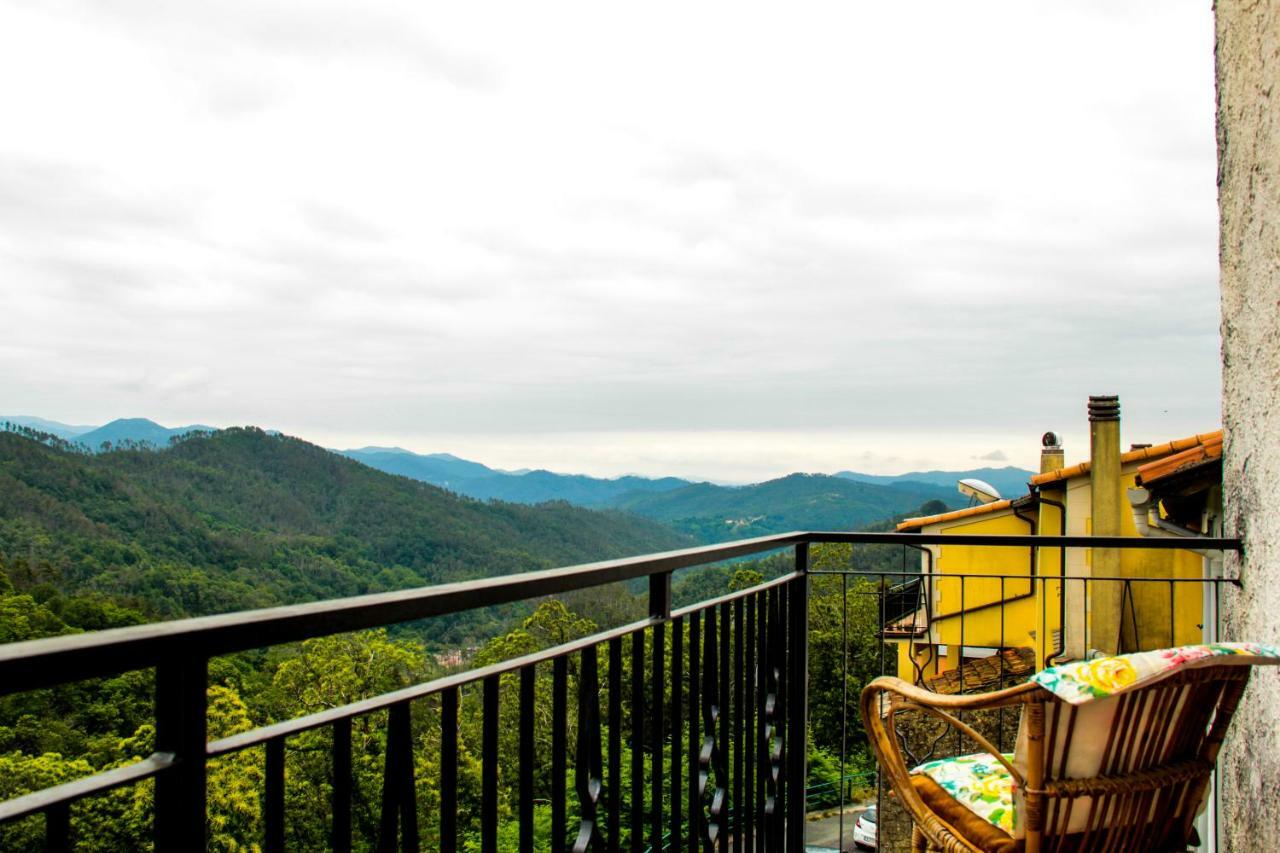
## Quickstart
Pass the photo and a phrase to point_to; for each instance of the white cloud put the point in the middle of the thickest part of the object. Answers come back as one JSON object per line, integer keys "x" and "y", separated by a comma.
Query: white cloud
{"x": 513, "y": 220}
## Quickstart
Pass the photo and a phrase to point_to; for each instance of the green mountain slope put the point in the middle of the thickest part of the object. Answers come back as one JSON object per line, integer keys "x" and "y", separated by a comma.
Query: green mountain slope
{"x": 241, "y": 518}
{"x": 796, "y": 502}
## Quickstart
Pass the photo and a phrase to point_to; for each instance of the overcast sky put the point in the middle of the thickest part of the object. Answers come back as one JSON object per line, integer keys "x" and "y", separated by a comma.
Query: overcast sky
{"x": 726, "y": 241}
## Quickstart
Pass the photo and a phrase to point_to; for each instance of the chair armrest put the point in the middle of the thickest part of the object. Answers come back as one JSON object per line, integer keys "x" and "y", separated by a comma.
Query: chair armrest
{"x": 905, "y": 696}
{"x": 1019, "y": 694}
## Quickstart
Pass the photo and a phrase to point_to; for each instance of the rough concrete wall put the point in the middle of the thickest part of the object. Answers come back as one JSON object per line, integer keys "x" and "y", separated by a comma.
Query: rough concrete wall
{"x": 1248, "y": 54}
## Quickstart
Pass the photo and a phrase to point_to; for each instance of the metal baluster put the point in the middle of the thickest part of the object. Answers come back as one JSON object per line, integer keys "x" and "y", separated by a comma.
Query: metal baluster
{"x": 657, "y": 690}
{"x": 489, "y": 766}
{"x": 724, "y": 752}
{"x": 637, "y": 741}
{"x": 677, "y": 731}
{"x": 798, "y": 700}
{"x": 615, "y": 744}
{"x": 449, "y": 770}
{"x": 589, "y": 780}
{"x": 695, "y": 738}
{"x": 844, "y": 690}
{"x": 769, "y": 732}
{"x": 340, "y": 838}
{"x": 559, "y": 749}
{"x": 57, "y": 828}
{"x": 708, "y": 755}
{"x": 761, "y": 734}
{"x": 390, "y": 807}
{"x": 181, "y": 728}
{"x": 783, "y": 706}
{"x": 273, "y": 797}
{"x": 739, "y": 695}
{"x": 748, "y": 822}
{"x": 408, "y": 790}
{"x": 398, "y": 793}
{"x": 528, "y": 681}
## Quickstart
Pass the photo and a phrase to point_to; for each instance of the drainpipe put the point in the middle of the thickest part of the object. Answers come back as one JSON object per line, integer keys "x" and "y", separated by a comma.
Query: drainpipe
{"x": 1060, "y": 646}
{"x": 1146, "y": 517}
{"x": 1104, "y": 488}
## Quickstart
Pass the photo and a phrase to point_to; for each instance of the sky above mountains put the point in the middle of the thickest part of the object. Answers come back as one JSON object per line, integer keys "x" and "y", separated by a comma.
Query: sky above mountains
{"x": 719, "y": 242}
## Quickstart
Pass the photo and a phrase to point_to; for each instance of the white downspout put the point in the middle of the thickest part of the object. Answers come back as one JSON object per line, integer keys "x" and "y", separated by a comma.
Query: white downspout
{"x": 1146, "y": 518}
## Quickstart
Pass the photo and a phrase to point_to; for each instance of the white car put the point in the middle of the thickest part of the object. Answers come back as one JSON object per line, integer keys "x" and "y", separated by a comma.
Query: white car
{"x": 864, "y": 831}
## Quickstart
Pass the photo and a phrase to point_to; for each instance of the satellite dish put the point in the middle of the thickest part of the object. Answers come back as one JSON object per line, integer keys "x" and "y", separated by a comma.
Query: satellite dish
{"x": 979, "y": 491}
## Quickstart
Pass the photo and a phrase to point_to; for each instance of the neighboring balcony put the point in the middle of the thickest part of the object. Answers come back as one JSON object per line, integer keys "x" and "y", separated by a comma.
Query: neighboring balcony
{"x": 726, "y": 724}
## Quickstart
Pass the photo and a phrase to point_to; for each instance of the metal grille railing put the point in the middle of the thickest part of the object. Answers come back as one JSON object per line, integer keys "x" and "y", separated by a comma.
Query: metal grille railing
{"x": 719, "y": 723}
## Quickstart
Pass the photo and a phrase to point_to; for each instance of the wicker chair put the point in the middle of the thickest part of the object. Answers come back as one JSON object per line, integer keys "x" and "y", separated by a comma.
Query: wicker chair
{"x": 1127, "y": 770}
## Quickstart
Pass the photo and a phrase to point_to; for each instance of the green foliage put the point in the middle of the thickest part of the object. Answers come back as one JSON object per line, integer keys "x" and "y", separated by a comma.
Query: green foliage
{"x": 235, "y": 782}
{"x": 844, "y": 651}
{"x": 241, "y": 519}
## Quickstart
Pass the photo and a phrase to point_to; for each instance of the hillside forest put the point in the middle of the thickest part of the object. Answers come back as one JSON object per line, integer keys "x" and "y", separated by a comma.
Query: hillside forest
{"x": 239, "y": 519}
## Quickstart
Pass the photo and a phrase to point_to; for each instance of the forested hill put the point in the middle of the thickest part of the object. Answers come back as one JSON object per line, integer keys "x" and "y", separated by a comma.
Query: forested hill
{"x": 796, "y": 502}
{"x": 241, "y": 518}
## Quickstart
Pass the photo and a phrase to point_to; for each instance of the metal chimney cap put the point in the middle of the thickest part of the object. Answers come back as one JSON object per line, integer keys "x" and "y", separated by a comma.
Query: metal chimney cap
{"x": 1051, "y": 440}
{"x": 1104, "y": 408}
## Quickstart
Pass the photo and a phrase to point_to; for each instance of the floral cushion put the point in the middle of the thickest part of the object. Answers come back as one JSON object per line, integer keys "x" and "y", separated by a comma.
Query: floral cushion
{"x": 978, "y": 782}
{"x": 1083, "y": 681}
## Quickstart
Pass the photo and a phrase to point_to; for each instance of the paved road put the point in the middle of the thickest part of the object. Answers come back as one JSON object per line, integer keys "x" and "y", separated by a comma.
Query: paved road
{"x": 826, "y": 832}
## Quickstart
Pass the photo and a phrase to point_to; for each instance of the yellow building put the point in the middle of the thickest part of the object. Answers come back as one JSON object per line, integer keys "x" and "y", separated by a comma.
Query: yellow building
{"x": 981, "y": 600}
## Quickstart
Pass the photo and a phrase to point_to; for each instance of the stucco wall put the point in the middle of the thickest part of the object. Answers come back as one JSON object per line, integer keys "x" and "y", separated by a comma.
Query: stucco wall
{"x": 1248, "y": 53}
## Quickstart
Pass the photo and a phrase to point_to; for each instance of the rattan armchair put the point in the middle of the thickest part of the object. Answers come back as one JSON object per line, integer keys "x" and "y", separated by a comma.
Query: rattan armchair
{"x": 1127, "y": 771}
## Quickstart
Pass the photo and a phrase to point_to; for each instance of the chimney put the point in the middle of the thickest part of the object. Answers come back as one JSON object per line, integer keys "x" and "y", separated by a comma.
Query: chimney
{"x": 1106, "y": 505}
{"x": 1051, "y": 454}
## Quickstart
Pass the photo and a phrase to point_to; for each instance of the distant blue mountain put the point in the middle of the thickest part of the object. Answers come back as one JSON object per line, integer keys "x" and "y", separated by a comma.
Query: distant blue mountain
{"x": 709, "y": 512}
{"x": 61, "y": 430}
{"x": 1009, "y": 481}
{"x": 439, "y": 469}
{"x": 138, "y": 430}
{"x": 530, "y": 487}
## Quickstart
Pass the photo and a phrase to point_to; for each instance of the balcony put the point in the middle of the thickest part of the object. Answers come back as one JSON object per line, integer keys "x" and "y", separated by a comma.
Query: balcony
{"x": 690, "y": 729}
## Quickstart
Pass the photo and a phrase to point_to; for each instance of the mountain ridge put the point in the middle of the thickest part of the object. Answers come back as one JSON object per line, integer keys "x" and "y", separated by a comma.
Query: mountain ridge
{"x": 1010, "y": 481}
{"x": 240, "y": 519}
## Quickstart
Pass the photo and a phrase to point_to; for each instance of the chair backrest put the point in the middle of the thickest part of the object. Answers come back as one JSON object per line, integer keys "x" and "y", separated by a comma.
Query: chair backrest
{"x": 1127, "y": 771}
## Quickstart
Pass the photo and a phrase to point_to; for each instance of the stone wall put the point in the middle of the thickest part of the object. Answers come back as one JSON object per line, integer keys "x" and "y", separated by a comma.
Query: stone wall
{"x": 1248, "y": 62}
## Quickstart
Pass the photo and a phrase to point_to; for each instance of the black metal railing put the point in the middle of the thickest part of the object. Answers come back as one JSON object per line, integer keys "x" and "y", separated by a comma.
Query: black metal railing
{"x": 719, "y": 722}
{"x": 1153, "y": 613}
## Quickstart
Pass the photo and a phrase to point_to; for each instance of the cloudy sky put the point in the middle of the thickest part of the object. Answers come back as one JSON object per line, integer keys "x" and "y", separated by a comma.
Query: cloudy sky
{"x": 726, "y": 241}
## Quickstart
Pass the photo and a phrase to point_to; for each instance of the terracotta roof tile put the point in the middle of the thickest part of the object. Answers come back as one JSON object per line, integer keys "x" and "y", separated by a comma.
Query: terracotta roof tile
{"x": 1009, "y": 666}
{"x": 1154, "y": 452}
{"x": 1153, "y": 472}
{"x": 983, "y": 509}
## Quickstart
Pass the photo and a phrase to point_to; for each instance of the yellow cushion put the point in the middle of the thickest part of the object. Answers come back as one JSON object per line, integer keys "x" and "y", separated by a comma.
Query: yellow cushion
{"x": 978, "y": 782}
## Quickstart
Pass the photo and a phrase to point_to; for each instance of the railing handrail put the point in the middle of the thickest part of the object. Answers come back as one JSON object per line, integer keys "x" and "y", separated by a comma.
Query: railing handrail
{"x": 180, "y": 652}
{"x": 54, "y": 660}
{"x": 57, "y": 660}
{"x": 351, "y": 710}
